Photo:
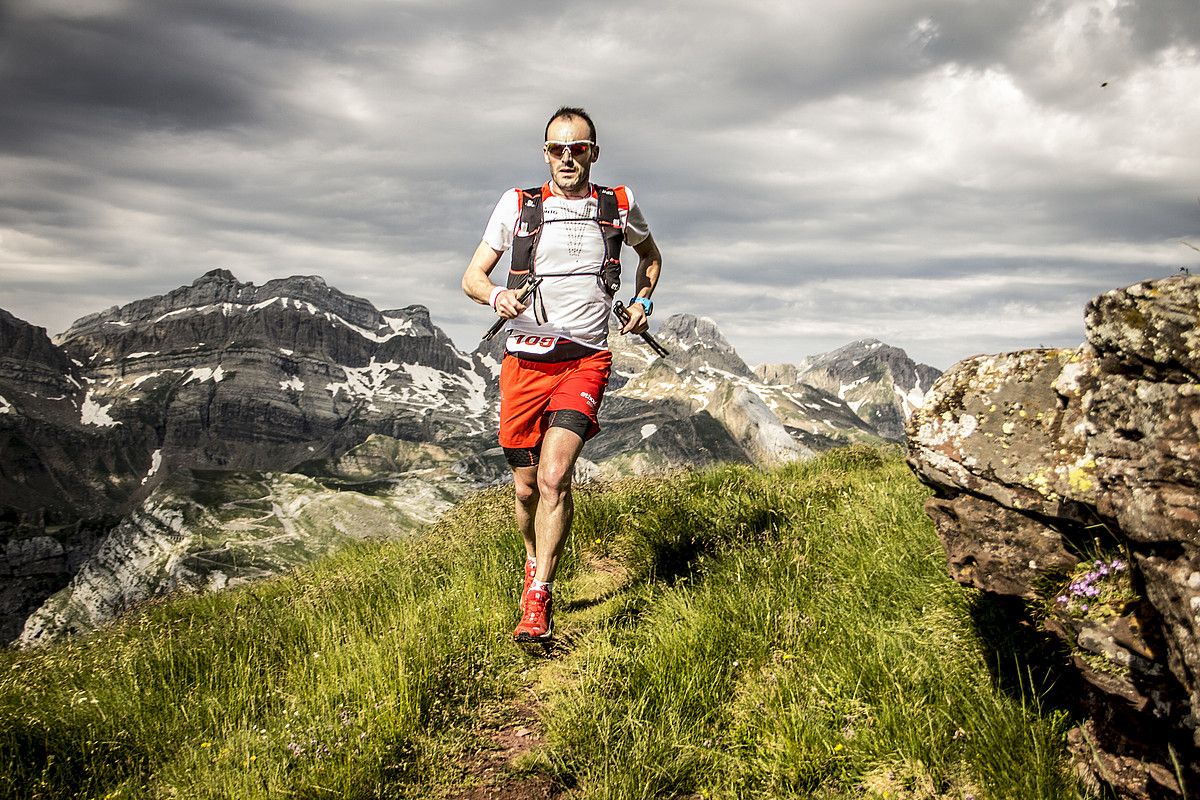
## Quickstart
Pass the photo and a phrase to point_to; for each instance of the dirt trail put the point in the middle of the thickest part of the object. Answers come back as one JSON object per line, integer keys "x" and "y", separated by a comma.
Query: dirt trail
{"x": 502, "y": 768}
{"x": 496, "y": 772}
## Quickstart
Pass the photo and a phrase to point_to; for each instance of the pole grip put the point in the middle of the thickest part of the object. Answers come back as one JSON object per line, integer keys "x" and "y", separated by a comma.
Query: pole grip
{"x": 623, "y": 315}
{"x": 528, "y": 288}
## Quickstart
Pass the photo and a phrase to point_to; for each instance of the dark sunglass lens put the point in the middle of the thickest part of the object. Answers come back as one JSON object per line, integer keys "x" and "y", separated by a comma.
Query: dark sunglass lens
{"x": 580, "y": 149}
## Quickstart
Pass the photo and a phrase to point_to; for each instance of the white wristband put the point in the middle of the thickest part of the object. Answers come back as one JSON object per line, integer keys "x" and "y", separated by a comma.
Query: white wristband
{"x": 496, "y": 290}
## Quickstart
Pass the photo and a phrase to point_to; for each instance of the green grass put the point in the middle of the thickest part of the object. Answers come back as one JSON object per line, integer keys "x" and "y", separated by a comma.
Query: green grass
{"x": 782, "y": 634}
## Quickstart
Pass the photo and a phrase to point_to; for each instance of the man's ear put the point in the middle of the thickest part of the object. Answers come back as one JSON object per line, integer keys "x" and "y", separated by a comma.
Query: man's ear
{"x": 595, "y": 153}
{"x": 545, "y": 156}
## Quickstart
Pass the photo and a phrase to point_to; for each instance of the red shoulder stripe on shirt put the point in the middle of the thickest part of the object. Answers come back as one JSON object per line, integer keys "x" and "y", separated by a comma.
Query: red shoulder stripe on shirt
{"x": 622, "y": 198}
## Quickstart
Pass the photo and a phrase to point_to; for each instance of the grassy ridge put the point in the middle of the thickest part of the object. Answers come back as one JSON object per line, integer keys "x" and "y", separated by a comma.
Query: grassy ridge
{"x": 814, "y": 648}
{"x": 790, "y": 633}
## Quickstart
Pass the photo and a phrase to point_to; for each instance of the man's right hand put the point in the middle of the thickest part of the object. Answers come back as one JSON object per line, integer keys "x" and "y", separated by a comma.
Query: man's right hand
{"x": 507, "y": 304}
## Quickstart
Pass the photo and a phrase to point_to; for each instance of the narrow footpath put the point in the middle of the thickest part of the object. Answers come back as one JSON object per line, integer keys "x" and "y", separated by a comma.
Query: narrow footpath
{"x": 505, "y": 763}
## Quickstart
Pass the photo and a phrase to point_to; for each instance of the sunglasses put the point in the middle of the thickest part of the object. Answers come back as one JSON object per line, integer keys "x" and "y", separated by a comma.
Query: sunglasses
{"x": 579, "y": 149}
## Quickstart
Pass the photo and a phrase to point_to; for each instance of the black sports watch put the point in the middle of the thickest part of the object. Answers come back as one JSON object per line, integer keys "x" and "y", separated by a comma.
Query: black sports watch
{"x": 646, "y": 304}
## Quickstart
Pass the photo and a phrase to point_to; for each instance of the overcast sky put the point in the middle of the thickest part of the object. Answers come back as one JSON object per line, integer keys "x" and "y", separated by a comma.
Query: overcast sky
{"x": 951, "y": 177}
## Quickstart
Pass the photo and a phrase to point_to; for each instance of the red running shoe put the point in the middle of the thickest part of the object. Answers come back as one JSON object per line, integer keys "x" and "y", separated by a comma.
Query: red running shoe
{"x": 530, "y": 570}
{"x": 537, "y": 620}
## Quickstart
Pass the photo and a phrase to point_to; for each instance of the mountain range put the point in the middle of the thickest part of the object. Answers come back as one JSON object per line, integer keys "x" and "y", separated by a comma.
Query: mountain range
{"x": 224, "y": 431}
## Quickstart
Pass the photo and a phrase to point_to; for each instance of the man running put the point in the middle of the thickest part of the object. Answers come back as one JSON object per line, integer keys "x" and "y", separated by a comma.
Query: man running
{"x": 568, "y": 233}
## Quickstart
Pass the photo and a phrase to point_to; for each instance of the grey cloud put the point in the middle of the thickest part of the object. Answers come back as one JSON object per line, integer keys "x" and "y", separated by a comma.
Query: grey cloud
{"x": 125, "y": 72}
{"x": 367, "y": 142}
{"x": 1161, "y": 24}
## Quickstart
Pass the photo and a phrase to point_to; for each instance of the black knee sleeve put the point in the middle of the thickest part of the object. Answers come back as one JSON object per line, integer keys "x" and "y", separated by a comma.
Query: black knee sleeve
{"x": 522, "y": 456}
{"x": 572, "y": 420}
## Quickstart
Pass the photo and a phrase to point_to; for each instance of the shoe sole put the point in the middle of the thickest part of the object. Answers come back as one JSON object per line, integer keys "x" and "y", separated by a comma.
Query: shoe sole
{"x": 525, "y": 638}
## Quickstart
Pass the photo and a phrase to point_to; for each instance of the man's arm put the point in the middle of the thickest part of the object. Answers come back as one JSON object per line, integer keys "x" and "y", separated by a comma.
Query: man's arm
{"x": 649, "y": 266}
{"x": 478, "y": 286}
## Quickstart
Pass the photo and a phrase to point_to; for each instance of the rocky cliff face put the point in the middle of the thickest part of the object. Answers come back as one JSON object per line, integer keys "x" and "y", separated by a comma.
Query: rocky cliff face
{"x": 54, "y": 461}
{"x": 1068, "y": 478}
{"x": 63, "y": 484}
{"x": 236, "y": 375}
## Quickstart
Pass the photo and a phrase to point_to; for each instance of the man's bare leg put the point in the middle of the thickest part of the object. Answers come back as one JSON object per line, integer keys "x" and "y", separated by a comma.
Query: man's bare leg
{"x": 554, "y": 508}
{"x": 525, "y": 484}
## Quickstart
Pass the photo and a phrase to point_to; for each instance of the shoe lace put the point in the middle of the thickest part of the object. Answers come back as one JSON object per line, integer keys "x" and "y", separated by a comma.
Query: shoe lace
{"x": 535, "y": 605}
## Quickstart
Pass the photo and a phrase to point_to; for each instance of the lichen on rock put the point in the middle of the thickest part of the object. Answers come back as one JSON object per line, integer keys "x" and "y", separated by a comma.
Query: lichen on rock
{"x": 1068, "y": 448}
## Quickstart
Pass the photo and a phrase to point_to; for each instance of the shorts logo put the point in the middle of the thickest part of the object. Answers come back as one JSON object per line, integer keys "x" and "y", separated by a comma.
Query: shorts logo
{"x": 591, "y": 400}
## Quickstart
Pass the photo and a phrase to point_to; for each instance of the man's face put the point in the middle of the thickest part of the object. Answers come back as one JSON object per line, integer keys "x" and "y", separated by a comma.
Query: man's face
{"x": 568, "y": 172}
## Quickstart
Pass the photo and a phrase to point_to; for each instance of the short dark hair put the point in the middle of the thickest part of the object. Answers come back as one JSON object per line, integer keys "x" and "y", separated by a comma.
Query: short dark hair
{"x": 571, "y": 111}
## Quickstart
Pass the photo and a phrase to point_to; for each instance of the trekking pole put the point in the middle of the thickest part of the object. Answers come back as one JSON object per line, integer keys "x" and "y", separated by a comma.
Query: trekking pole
{"x": 529, "y": 287}
{"x": 623, "y": 315}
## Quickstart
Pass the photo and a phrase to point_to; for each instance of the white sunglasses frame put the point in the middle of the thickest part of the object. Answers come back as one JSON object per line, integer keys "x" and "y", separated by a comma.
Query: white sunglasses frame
{"x": 567, "y": 145}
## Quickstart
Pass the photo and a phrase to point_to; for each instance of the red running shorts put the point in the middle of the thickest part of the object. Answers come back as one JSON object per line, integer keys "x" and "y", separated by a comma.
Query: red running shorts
{"x": 530, "y": 390}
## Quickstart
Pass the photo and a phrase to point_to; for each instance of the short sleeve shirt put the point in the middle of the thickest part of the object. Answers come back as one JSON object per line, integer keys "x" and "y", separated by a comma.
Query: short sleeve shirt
{"x": 569, "y": 255}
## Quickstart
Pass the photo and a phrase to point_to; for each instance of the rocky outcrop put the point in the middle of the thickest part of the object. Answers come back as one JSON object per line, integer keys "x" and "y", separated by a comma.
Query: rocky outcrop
{"x": 1068, "y": 478}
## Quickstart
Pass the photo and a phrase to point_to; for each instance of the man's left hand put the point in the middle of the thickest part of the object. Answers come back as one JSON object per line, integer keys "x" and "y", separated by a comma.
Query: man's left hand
{"x": 637, "y": 319}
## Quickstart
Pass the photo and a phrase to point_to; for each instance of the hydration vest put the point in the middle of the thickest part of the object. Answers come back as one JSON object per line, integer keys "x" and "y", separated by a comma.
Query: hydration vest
{"x": 609, "y": 206}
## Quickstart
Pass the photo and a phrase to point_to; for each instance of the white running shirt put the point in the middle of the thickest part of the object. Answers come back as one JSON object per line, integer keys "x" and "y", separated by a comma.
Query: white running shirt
{"x": 576, "y": 305}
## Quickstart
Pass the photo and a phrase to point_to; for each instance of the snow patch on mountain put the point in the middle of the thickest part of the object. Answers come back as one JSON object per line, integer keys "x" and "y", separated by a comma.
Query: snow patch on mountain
{"x": 92, "y": 413}
{"x": 425, "y": 386}
{"x": 476, "y": 398}
{"x": 492, "y": 364}
{"x": 399, "y": 325}
{"x": 5, "y": 406}
{"x": 911, "y": 400}
{"x": 366, "y": 383}
{"x": 845, "y": 387}
{"x": 394, "y": 326}
{"x": 139, "y": 380}
{"x": 155, "y": 463}
{"x": 293, "y": 383}
{"x": 203, "y": 374}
